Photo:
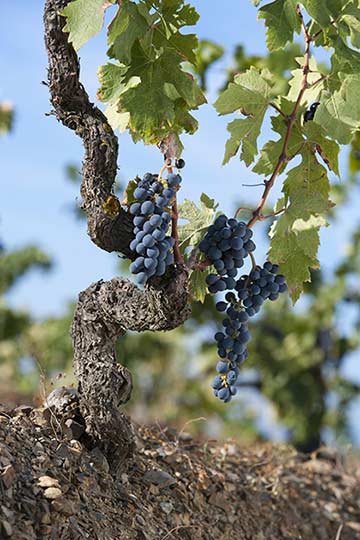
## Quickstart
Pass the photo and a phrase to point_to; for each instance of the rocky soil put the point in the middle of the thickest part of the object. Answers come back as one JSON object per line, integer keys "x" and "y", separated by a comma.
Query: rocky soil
{"x": 55, "y": 486}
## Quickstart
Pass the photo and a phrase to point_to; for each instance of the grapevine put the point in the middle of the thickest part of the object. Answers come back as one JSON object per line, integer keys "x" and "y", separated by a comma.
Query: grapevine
{"x": 149, "y": 93}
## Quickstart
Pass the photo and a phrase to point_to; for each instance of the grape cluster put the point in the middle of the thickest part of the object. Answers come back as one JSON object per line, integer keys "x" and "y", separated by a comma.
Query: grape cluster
{"x": 151, "y": 225}
{"x": 232, "y": 343}
{"x": 262, "y": 283}
{"x": 226, "y": 244}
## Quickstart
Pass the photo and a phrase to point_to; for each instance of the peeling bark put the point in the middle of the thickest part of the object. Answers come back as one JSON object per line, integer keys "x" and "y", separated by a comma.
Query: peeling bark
{"x": 73, "y": 108}
{"x": 105, "y": 310}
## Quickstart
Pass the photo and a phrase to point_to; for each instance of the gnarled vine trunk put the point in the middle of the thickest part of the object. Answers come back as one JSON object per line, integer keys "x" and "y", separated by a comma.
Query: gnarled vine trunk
{"x": 105, "y": 310}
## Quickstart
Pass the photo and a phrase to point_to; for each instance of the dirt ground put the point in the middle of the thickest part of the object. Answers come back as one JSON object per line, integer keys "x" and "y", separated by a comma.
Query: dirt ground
{"x": 53, "y": 487}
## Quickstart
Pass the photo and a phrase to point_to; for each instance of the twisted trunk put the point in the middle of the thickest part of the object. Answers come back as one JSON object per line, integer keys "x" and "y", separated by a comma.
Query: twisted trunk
{"x": 105, "y": 310}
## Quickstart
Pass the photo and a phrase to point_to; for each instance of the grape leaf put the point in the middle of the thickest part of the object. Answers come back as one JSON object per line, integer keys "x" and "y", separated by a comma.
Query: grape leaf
{"x": 319, "y": 11}
{"x": 249, "y": 94}
{"x": 198, "y": 286}
{"x": 271, "y": 151}
{"x": 349, "y": 23}
{"x": 127, "y": 26}
{"x": 129, "y": 191}
{"x": 148, "y": 91}
{"x": 327, "y": 148}
{"x": 311, "y": 94}
{"x": 198, "y": 218}
{"x": 295, "y": 235}
{"x": 156, "y": 106}
{"x": 111, "y": 77}
{"x": 281, "y": 20}
{"x": 117, "y": 120}
{"x": 84, "y": 19}
{"x": 339, "y": 111}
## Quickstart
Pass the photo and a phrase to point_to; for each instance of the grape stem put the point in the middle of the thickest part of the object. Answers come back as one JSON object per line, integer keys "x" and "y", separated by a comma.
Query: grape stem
{"x": 291, "y": 119}
{"x": 268, "y": 216}
{"x": 174, "y": 222}
{"x": 174, "y": 232}
{"x": 253, "y": 261}
{"x": 277, "y": 109}
{"x": 240, "y": 209}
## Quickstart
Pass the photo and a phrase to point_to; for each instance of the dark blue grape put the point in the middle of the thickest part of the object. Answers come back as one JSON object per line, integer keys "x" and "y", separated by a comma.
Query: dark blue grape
{"x": 221, "y": 306}
{"x": 179, "y": 163}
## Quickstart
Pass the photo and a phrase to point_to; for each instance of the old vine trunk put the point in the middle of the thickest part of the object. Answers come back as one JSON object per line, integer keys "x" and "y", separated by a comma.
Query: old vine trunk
{"x": 106, "y": 310}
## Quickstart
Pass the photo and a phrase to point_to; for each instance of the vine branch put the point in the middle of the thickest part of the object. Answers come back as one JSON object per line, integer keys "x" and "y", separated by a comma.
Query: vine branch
{"x": 291, "y": 119}
{"x": 72, "y": 107}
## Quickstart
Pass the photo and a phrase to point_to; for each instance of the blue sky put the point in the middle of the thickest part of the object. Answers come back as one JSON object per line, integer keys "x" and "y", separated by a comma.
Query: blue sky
{"x": 36, "y": 199}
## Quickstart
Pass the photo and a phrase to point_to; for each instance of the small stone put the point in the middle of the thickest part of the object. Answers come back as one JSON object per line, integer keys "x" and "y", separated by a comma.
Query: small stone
{"x": 167, "y": 507}
{"x": 159, "y": 478}
{"x": 64, "y": 506}
{"x": 48, "y": 481}
{"x": 39, "y": 417}
{"x": 8, "y": 476}
{"x": 99, "y": 461}
{"x": 46, "y": 519}
{"x": 24, "y": 409}
{"x": 73, "y": 430}
{"x": 62, "y": 451}
{"x": 52, "y": 493}
{"x": 7, "y": 528}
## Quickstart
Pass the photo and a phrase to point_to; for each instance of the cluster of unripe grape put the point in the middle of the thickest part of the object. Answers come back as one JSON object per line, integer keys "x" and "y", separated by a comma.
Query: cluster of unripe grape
{"x": 226, "y": 244}
{"x": 152, "y": 218}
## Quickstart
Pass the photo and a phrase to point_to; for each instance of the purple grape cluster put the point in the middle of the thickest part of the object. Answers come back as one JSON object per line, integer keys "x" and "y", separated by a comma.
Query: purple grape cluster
{"x": 260, "y": 284}
{"x": 232, "y": 347}
{"x": 151, "y": 225}
{"x": 226, "y": 244}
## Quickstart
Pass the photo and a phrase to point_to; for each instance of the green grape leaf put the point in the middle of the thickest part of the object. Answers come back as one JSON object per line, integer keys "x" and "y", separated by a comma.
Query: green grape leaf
{"x": 84, "y": 19}
{"x": 198, "y": 218}
{"x": 343, "y": 60}
{"x": 111, "y": 77}
{"x": 281, "y": 20}
{"x": 354, "y": 154}
{"x": 249, "y": 94}
{"x": 117, "y": 120}
{"x": 310, "y": 94}
{"x": 148, "y": 91}
{"x": 327, "y": 148}
{"x": 112, "y": 80}
{"x": 198, "y": 286}
{"x": 271, "y": 151}
{"x": 295, "y": 235}
{"x": 339, "y": 111}
{"x": 319, "y": 11}
{"x": 127, "y": 26}
{"x": 349, "y": 23}
{"x": 156, "y": 106}
{"x": 295, "y": 252}
{"x": 129, "y": 192}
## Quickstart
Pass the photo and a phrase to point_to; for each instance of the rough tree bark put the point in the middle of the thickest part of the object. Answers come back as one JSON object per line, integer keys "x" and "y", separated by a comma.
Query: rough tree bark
{"x": 105, "y": 310}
